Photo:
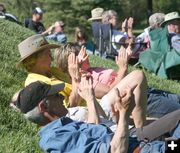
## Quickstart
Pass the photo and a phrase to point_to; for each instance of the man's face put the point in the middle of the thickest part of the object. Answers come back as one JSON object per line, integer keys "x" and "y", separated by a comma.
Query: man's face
{"x": 58, "y": 28}
{"x": 174, "y": 26}
{"x": 55, "y": 106}
{"x": 39, "y": 17}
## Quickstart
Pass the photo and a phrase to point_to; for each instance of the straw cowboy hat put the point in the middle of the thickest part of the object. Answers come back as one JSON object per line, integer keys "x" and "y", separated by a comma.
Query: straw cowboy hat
{"x": 96, "y": 14}
{"x": 32, "y": 45}
{"x": 169, "y": 17}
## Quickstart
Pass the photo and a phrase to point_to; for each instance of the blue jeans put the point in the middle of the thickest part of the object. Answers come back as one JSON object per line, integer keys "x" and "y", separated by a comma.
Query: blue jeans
{"x": 161, "y": 102}
{"x": 158, "y": 146}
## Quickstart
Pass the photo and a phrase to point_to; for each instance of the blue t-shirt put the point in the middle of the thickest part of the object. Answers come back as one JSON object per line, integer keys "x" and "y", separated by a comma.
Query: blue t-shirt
{"x": 66, "y": 135}
{"x": 59, "y": 37}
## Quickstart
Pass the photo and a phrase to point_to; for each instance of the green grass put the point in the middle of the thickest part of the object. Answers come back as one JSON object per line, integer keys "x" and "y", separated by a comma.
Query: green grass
{"x": 17, "y": 135}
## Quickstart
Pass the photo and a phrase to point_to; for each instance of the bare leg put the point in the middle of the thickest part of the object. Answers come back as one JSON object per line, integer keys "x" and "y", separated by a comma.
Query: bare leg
{"x": 136, "y": 80}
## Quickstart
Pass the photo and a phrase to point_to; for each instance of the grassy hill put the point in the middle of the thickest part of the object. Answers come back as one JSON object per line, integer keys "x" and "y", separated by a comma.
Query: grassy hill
{"x": 17, "y": 135}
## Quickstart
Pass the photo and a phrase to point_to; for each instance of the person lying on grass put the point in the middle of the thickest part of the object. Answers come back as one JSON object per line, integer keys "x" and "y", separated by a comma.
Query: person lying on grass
{"x": 103, "y": 79}
{"x": 76, "y": 65}
{"x": 62, "y": 134}
{"x": 159, "y": 102}
{"x": 36, "y": 59}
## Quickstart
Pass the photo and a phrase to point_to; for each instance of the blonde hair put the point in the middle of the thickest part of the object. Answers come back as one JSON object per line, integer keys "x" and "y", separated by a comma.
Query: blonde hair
{"x": 62, "y": 53}
{"x": 107, "y": 15}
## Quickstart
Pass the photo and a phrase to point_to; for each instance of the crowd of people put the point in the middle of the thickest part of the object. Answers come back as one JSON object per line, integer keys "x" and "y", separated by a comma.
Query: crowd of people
{"x": 81, "y": 108}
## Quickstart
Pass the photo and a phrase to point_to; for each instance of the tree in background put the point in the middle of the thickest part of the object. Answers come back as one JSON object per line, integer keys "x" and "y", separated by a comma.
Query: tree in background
{"x": 76, "y": 12}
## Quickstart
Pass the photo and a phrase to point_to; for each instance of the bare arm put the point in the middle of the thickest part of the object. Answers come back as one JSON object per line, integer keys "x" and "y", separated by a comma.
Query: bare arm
{"x": 120, "y": 141}
{"x": 74, "y": 97}
{"x": 122, "y": 106}
{"x": 49, "y": 30}
{"x": 122, "y": 63}
{"x": 87, "y": 93}
{"x": 73, "y": 69}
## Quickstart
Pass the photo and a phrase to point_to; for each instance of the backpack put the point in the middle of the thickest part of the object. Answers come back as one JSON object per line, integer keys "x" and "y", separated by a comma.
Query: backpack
{"x": 27, "y": 22}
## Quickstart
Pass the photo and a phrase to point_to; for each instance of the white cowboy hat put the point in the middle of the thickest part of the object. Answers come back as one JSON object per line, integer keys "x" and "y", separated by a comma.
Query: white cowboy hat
{"x": 169, "y": 17}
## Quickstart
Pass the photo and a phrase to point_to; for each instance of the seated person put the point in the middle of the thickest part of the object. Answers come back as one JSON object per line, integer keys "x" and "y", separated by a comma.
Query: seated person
{"x": 172, "y": 22}
{"x": 124, "y": 36}
{"x": 35, "y": 23}
{"x": 159, "y": 102}
{"x": 162, "y": 58}
{"x": 154, "y": 22}
{"x": 55, "y": 32}
{"x": 91, "y": 136}
{"x": 81, "y": 39}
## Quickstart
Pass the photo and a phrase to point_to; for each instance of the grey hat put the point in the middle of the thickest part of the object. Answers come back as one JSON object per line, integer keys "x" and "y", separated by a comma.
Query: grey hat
{"x": 169, "y": 17}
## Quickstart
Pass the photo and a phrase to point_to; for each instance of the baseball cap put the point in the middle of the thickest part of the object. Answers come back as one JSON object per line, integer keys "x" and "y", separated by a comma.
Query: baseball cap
{"x": 34, "y": 93}
{"x": 38, "y": 10}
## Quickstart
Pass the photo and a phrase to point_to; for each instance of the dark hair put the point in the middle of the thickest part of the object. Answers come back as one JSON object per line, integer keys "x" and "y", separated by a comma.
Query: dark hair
{"x": 2, "y": 8}
{"x": 83, "y": 33}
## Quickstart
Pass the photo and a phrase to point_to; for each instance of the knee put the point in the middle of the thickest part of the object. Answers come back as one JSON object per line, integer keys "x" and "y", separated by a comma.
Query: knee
{"x": 140, "y": 76}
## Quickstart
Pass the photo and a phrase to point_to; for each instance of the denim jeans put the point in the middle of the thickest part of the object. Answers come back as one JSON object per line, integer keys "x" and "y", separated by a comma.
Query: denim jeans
{"x": 158, "y": 146}
{"x": 161, "y": 102}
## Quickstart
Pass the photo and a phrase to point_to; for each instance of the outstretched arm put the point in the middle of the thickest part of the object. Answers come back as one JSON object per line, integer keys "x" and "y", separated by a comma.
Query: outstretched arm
{"x": 123, "y": 106}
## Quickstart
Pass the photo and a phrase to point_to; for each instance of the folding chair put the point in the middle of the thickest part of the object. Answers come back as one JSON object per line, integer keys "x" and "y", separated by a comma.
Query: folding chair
{"x": 102, "y": 34}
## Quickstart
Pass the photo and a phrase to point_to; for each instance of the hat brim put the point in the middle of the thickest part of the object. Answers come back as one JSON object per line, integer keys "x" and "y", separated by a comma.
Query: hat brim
{"x": 98, "y": 18}
{"x": 164, "y": 22}
{"x": 47, "y": 46}
{"x": 56, "y": 89}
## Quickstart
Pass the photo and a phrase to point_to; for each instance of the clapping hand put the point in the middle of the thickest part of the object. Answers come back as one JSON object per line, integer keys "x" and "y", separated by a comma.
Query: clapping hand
{"x": 130, "y": 22}
{"x": 86, "y": 90}
{"x": 122, "y": 58}
{"x": 73, "y": 67}
{"x": 124, "y": 101}
{"x": 82, "y": 56}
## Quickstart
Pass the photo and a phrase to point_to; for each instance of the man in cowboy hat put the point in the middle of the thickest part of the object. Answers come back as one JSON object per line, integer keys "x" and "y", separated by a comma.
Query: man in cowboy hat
{"x": 36, "y": 58}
